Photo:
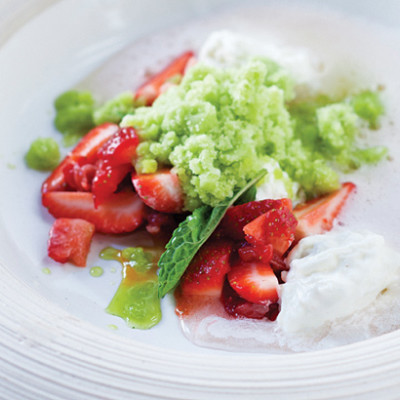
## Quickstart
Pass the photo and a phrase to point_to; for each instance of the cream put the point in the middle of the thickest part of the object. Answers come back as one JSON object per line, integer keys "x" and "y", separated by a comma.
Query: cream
{"x": 224, "y": 49}
{"x": 334, "y": 275}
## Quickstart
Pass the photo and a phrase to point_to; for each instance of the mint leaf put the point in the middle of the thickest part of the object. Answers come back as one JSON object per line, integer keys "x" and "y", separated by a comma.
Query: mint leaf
{"x": 248, "y": 196}
{"x": 190, "y": 235}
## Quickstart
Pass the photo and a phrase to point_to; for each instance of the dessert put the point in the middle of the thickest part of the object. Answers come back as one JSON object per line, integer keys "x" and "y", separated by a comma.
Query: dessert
{"x": 227, "y": 148}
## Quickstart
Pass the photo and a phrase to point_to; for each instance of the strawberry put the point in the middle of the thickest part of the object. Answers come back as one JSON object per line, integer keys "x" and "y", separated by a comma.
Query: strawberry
{"x": 238, "y": 307}
{"x": 263, "y": 253}
{"x": 148, "y": 92}
{"x": 278, "y": 264}
{"x": 157, "y": 222}
{"x": 107, "y": 179}
{"x": 69, "y": 240}
{"x": 237, "y": 217}
{"x": 254, "y": 282}
{"x": 161, "y": 191}
{"x": 121, "y": 212}
{"x": 78, "y": 176}
{"x": 317, "y": 216}
{"x": 120, "y": 148}
{"x": 256, "y": 252}
{"x": 206, "y": 273}
{"x": 85, "y": 150}
{"x": 277, "y": 227}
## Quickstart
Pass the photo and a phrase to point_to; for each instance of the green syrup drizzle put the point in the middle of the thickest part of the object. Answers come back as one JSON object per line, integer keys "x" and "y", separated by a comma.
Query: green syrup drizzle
{"x": 136, "y": 299}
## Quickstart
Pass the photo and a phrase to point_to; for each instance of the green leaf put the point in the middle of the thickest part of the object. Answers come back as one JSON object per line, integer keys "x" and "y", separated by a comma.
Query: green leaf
{"x": 190, "y": 235}
{"x": 247, "y": 196}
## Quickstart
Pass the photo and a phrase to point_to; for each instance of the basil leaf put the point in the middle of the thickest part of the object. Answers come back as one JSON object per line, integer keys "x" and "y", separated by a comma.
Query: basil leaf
{"x": 189, "y": 236}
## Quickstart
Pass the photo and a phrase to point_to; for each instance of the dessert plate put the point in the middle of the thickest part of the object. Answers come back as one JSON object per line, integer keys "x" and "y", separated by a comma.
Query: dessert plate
{"x": 56, "y": 341}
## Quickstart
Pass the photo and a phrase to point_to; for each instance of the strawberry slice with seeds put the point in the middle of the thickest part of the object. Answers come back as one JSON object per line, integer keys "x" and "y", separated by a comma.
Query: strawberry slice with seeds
{"x": 277, "y": 227}
{"x": 238, "y": 307}
{"x": 85, "y": 150}
{"x": 161, "y": 191}
{"x": 107, "y": 179}
{"x": 148, "y": 92}
{"x": 318, "y": 215}
{"x": 237, "y": 217}
{"x": 206, "y": 273}
{"x": 69, "y": 240}
{"x": 120, "y": 148}
{"x": 254, "y": 282}
{"x": 119, "y": 213}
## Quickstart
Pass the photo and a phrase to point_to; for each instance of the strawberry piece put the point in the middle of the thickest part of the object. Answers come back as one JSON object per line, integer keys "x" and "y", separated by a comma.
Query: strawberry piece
{"x": 317, "y": 216}
{"x": 120, "y": 148}
{"x": 148, "y": 92}
{"x": 278, "y": 264}
{"x": 79, "y": 177}
{"x": 161, "y": 191}
{"x": 107, "y": 179}
{"x": 255, "y": 282}
{"x": 238, "y": 307}
{"x": 85, "y": 150}
{"x": 263, "y": 253}
{"x": 237, "y": 217}
{"x": 121, "y": 212}
{"x": 157, "y": 222}
{"x": 256, "y": 252}
{"x": 69, "y": 240}
{"x": 277, "y": 227}
{"x": 206, "y": 273}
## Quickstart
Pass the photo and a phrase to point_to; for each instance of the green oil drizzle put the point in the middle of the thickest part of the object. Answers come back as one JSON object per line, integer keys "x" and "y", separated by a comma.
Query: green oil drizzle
{"x": 46, "y": 271}
{"x": 136, "y": 300}
{"x": 96, "y": 271}
{"x": 112, "y": 327}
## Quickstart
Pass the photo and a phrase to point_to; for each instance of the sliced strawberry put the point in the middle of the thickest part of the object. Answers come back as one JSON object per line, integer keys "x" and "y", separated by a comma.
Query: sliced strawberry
{"x": 206, "y": 273}
{"x": 78, "y": 175}
{"x": 255, "y": 282}
{"x": 107, "y": 179}
{"x": 86, "y": 149}
{"x": 120, "y": 148}
{"x": 161, "y": 191}
{"x": 238, "y": 307}
{"x": 277, "y": 227}
{"x": 256, "y": 252}
{"x": 121, "y": 212}
{"x": 69, "y": 240}
{"x": 317, "y": 216}
{"x": 237, "y": 217}
{"x": 148, "y": 92}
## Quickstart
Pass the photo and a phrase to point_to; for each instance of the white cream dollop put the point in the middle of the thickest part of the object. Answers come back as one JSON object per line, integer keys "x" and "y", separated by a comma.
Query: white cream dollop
{"x": 277, "y": 184}
{"x": 334, "y": 275}
{"x": 226, "y": 49}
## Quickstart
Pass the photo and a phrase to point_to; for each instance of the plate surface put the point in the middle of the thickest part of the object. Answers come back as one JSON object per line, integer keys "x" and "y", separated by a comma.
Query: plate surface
{"x": 55, "y": 338}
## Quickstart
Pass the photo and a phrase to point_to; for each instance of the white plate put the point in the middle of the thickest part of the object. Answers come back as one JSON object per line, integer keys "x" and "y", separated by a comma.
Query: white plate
{"x": 55, "y": 340}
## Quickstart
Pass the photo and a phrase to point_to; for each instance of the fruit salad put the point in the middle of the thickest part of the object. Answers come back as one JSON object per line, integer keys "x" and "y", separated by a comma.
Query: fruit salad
{"x": 237, "y": 174}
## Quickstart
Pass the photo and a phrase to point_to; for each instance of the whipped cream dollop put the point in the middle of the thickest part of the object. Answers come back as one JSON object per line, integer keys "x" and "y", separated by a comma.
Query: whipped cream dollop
{"x": 226, "y": 49}
{"x": 277, "y": 184}
{"x": 334, "y": 275}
